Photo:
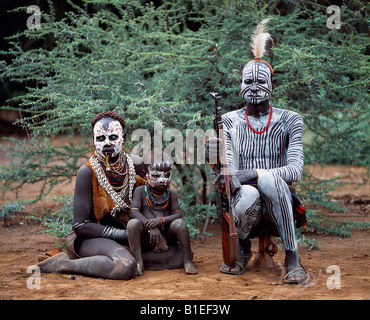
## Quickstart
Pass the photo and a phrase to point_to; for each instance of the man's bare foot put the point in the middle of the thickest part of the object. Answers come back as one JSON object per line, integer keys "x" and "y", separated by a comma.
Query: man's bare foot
{"x": 296, "y": 276}
{"x": 295, "y": 273}
{"x": 189, "y": 268}
{"x": 54, "y": 263}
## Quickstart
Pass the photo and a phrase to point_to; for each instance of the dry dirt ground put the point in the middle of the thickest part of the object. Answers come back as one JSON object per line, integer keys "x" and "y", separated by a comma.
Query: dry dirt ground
{"x": 21, "y": 242}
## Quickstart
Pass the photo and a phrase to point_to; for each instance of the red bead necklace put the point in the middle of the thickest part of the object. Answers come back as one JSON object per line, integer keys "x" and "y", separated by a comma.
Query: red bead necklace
{"x": 255, "y": 131}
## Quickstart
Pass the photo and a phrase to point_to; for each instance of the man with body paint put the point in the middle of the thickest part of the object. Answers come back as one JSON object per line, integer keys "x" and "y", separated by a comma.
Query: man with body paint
{"x": 264, "y": 151}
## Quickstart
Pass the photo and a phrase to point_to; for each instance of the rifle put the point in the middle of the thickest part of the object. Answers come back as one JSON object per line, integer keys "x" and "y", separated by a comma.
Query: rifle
{"x": 229, "y": 235}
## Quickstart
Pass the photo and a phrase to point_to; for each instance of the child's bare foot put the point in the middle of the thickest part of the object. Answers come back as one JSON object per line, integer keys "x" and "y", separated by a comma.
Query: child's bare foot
{"x": 139, "y": 269}
{"x": 189, "y": 268}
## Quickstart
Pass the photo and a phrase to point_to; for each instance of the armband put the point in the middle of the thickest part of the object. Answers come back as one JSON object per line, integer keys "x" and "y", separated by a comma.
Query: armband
{"x": 77, "y": 225}
{"x": 119, "y": 235}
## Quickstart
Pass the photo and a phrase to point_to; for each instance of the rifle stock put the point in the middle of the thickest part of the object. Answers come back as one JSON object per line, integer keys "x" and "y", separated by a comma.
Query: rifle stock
{"x": 229, "y": 235}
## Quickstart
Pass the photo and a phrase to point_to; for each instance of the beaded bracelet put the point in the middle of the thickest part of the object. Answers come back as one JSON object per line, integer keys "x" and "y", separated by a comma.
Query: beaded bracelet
{"x": 161, "y": 220}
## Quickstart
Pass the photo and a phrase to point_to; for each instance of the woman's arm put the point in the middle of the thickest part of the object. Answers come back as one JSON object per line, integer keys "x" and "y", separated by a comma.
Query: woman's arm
{"x": 82, "y": 206}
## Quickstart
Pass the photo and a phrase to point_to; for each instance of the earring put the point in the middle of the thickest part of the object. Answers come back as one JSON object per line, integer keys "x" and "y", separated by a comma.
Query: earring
{"x": 124, "y": 148}
{"x": 93, "y": 150}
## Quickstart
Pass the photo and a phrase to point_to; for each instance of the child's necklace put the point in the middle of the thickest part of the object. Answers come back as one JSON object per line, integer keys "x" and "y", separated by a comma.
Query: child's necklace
{"x": 154, "y": 199}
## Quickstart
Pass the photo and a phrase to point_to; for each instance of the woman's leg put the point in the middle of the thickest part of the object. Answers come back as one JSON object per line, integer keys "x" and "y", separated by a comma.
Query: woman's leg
{"x": 100, "y": 257}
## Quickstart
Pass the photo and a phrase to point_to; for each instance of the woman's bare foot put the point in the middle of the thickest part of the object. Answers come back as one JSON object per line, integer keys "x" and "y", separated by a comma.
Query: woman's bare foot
{"x": 54, "y": 263}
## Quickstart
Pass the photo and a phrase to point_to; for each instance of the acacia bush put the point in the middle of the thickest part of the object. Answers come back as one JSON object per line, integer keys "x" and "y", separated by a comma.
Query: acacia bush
{"x": 157, "y": 62}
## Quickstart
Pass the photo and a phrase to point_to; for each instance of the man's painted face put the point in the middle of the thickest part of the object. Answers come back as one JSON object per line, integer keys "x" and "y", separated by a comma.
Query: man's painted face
{"x": 108, "y": 137}
{"x": 159, "y": 176}
{"x": 256, "y": 83}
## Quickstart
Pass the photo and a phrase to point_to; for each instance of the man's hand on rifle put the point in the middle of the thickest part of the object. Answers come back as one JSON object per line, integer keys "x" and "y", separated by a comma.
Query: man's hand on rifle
{"x": 243, "y": 176}
{"x": 236, "y": 178}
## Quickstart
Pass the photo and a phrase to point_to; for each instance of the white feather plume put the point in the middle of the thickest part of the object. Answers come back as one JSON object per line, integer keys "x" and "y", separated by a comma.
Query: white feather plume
{"x": 260, "y": 39}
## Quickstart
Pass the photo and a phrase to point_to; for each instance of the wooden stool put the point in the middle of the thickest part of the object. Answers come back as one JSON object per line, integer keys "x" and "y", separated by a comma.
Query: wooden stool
{"x": 266, "y": 248}
{"x": 264, "y": 256}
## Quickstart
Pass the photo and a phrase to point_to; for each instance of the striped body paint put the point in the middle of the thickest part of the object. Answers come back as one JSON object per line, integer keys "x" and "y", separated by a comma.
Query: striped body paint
{"x": 279, "y": 151}
{"x": 256, "y": 85}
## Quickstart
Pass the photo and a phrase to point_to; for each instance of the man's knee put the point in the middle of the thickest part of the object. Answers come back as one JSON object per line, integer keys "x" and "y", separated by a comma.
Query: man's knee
{"x": 270, "y": 185}
{"x": 247, "y": 197}
{"x": 246, "y": 208}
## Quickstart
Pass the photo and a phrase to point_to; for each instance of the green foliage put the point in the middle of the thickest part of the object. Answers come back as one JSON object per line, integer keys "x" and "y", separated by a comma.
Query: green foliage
{"x": 159, "y": 62}
{"x": 324, "y": 225}
{"x": 8, "y": 208}
{"x": 307, "y": 242}
{"x": 314, "y": 191}
{"x": 36, "y": 160}
{"x": 58, "y": 223}
{"x": 156, "y": 63}
{"x": 194, "y": 211}
{"x": 320, "y": 224}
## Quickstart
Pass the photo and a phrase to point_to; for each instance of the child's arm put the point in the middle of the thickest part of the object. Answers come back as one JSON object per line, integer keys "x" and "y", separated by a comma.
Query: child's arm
{"x": 135, "y": 212}
{"x": 175, "y": 211}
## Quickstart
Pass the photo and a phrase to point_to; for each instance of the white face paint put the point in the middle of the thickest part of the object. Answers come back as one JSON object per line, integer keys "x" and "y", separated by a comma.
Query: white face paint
{"x": 159, "y": 179}
{"x": 108, "y": 137}
{"x": 256, "y": 83}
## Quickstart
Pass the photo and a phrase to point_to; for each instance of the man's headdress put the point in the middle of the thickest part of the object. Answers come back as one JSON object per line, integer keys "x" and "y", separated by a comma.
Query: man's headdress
{"x": 262, "y": 42}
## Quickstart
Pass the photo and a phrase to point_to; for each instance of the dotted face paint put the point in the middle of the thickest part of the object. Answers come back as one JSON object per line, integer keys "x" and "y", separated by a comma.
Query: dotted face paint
{"x": 108, "y": 139}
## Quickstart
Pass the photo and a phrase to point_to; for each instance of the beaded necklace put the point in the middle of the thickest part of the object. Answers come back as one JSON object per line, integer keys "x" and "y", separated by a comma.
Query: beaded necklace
{"x": 152, "y": 198}
{"x": 116, "y": 171}
{"x": 127, "y": 186}
{"x": 115, "y": 180}
{"x": 255, "y": 131}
